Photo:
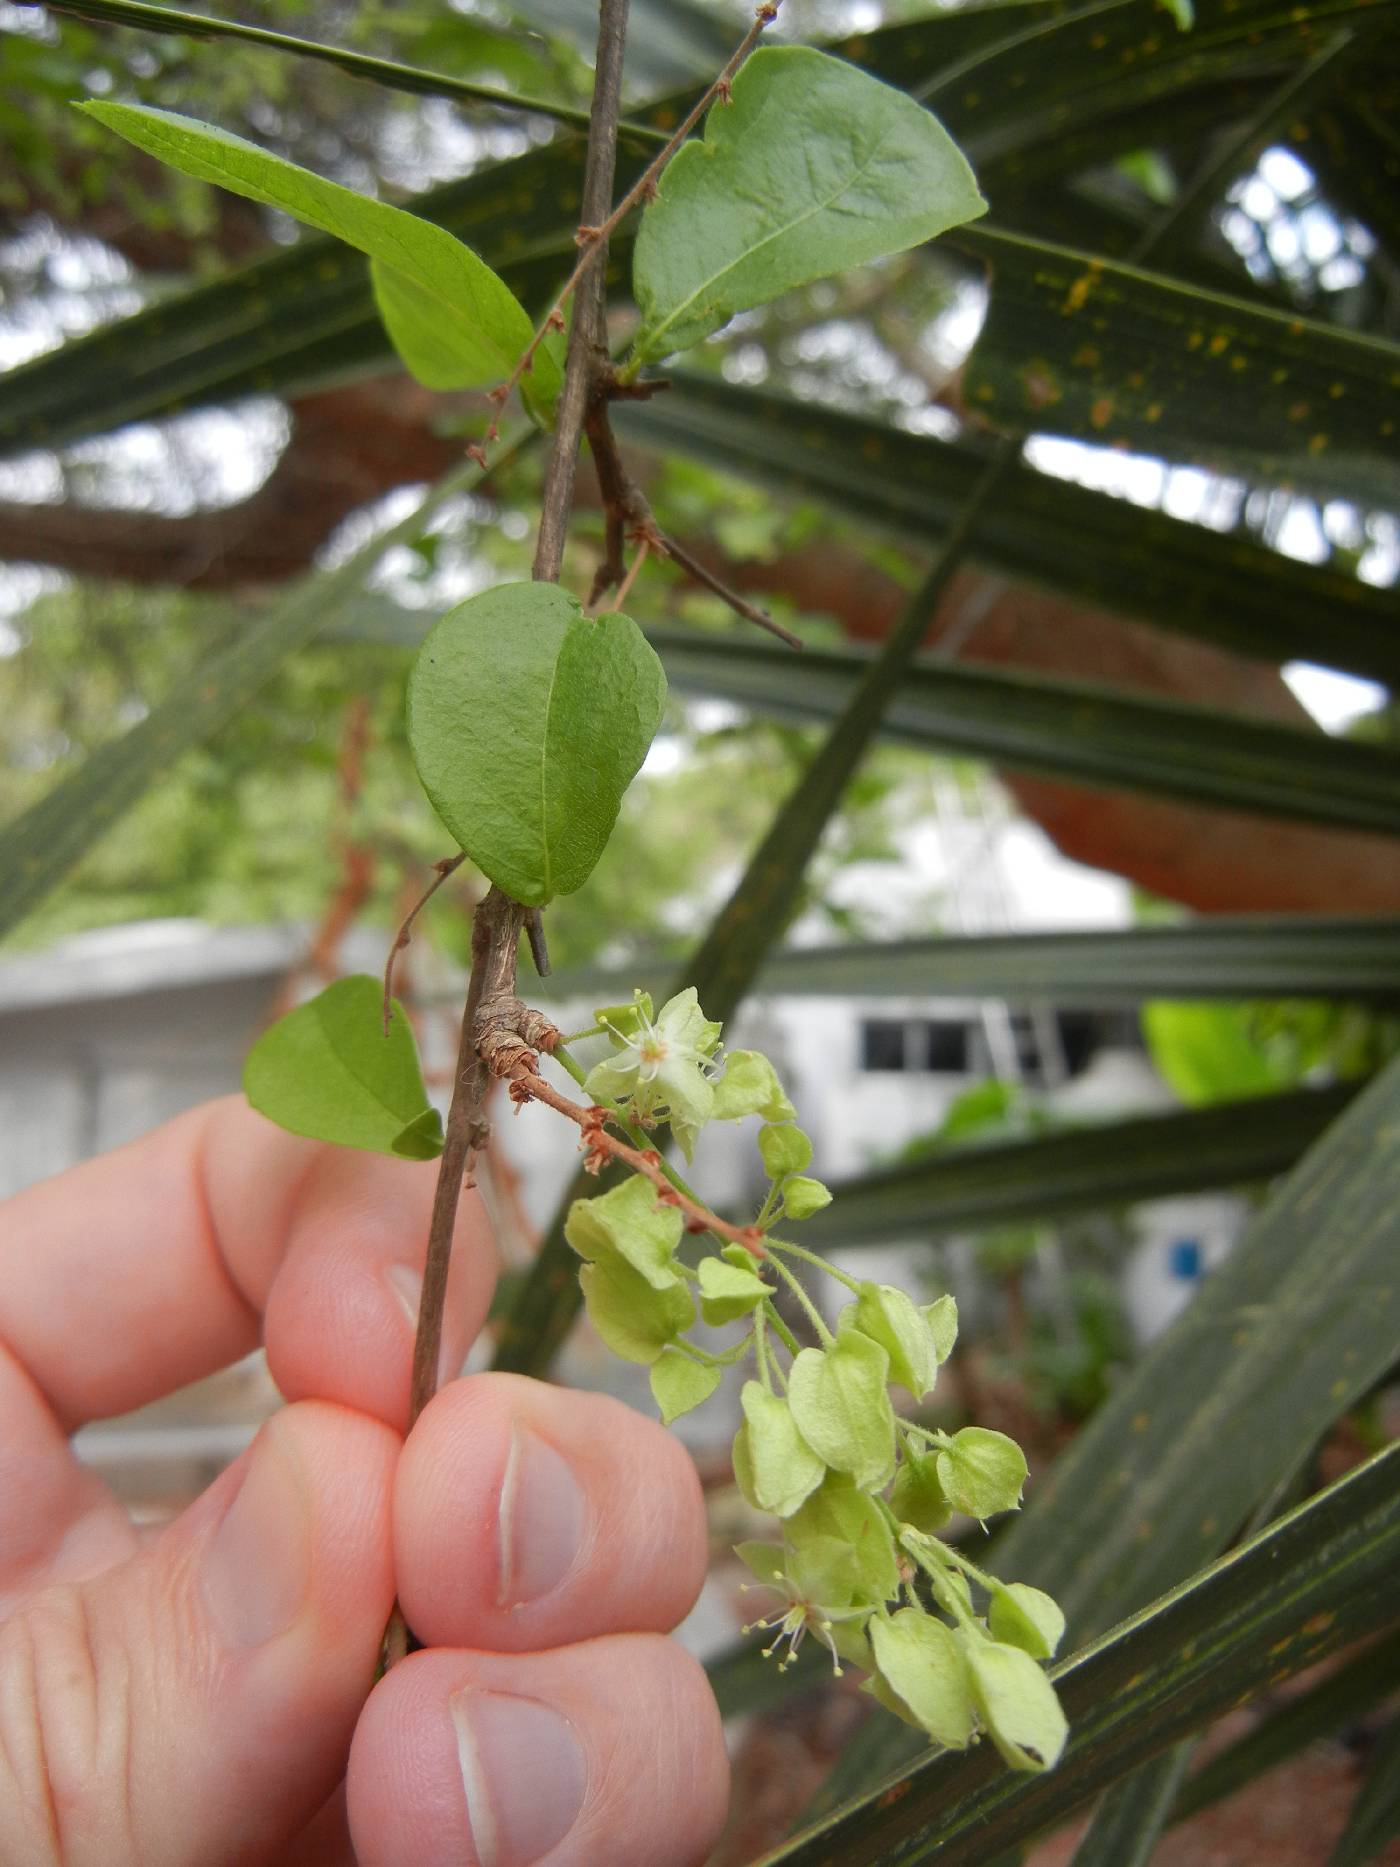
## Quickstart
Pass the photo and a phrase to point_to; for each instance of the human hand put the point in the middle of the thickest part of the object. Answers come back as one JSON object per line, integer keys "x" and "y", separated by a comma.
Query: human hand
{"x": 204, "y": 1696}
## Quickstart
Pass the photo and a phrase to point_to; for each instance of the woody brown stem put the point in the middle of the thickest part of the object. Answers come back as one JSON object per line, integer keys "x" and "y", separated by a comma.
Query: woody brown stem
{"x": 599, "y": 1145}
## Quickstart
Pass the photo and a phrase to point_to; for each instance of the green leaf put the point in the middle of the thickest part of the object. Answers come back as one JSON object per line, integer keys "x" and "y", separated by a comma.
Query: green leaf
{"x": 728, "y": 1291}
{"x": 890, "y": 1317}
{"x": 839, "y": 1401}
{"x": 1303, "y": 1588}
{"x": 327, "y": 1070}
{"x": 1208, "y": 1052}
{"x": 1080, "y": 1170}
{"x": 1017, "y": 1703}
{"x": 632, "y": 1223}
{"x": 802, "y": 1196}
{"x": 921, "y": 1661}
{"x": 1025, "y": 1617}
{"x": 982, "y": 1473}
{"x": 528, "y": 721}
{"x": 785, "y": 1469}
{"x": 678, "y": 1383}
{"x": 811, "y": 168}
{"x": 455, "y": 324}
{"x": 636, "y": 1321}
{"x": 784, "y": 1149}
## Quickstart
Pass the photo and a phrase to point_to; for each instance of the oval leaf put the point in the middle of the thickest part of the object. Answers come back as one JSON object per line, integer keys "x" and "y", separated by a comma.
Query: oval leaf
{"x": 453, "y": 321}
{"x": 528, "y": 721}
{"x": 328, "y": 1071}
{"x": 811, "y": 167}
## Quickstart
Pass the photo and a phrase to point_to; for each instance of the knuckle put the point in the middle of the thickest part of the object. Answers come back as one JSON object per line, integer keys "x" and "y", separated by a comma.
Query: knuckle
{"x": 64, "y": 1737}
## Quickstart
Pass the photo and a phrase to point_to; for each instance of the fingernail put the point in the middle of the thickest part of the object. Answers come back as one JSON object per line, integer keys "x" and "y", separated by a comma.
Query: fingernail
{"x": 541, "y": 1520}
{"x": 407, "y": 1285}
{"x": 256, "y": 1568}
{"x": 524, "y": 1774}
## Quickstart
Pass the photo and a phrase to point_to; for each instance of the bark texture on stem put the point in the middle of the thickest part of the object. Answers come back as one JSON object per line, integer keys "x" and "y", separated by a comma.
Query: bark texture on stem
{"x": 499, "y": 920}
{"x": 495, "y": 941}
{"x": 586, "y": 333}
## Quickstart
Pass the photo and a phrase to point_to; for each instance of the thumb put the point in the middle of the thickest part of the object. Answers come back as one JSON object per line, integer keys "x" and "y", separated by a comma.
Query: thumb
{"x": 196, "y": 1703}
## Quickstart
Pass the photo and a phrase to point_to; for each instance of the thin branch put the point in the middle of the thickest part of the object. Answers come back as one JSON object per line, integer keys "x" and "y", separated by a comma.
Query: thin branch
{"x": 627, "y": 514}
{"x": 600, "y": 1146}
{"x": 592, "y": 236}
{"x": 624, "y": 589}
{"x": 586, "y": 333}
{"x": 495, "y": 939}
{"x": 741, "y": 606}
{"x": 448, "y": 866}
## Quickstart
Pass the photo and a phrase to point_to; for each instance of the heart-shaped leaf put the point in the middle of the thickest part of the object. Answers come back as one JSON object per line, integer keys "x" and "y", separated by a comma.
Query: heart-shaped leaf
{"x": 452, "y": 320}
{"x": 327, "y": 1070}
{"x": 528, "y": 721}
{"x": 813, "y": 166}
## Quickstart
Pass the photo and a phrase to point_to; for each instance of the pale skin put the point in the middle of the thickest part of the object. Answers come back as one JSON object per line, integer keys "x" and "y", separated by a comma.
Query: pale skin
{"x": 204, "y": 1695}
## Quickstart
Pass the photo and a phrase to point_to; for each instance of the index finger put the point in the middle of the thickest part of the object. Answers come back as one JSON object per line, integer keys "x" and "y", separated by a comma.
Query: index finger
{"x": 149, "y": 1267}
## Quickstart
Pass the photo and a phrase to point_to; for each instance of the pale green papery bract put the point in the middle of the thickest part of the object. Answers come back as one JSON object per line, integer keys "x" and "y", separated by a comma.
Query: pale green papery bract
{"x": 812, "y": 167}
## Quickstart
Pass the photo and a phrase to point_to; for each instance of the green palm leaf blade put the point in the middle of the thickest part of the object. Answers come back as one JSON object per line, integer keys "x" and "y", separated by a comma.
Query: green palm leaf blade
{"x": 1223, "y": 956}
{"x": 1130, "y": 359}
{"x": 1082, "y": 1170}
{"x": 1340, "y": 1699}
{"x": 1071, "y": 730}
{"x": 1374, "y": 1821}
{"x": 1044, "y": 531}
{"x": 1194, "y": 1438}
{"x": 1129, "y": 1821}
{"x": 1300, "y": 1590}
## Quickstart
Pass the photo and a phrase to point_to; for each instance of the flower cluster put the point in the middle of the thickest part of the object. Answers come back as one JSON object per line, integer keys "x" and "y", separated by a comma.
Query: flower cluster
{"x": 860, "y": 1492}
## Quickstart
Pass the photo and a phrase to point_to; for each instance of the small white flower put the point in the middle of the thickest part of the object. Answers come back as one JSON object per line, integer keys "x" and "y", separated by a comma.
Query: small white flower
{"x": 661, "y": 1065}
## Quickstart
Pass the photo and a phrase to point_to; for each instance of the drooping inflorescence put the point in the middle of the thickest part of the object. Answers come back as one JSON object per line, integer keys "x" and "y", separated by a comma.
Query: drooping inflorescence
{"x": 859, "y": 1491}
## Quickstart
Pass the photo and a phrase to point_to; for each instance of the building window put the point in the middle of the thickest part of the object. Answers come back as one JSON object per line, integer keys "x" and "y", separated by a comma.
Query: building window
{"x": 931, "y": 1046}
